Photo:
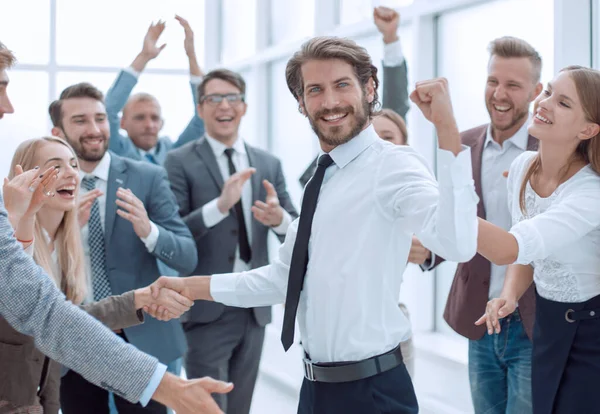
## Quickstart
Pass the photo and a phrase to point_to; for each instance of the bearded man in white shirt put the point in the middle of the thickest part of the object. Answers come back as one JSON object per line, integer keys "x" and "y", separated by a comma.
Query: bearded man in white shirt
{"x": 372, "y": 196}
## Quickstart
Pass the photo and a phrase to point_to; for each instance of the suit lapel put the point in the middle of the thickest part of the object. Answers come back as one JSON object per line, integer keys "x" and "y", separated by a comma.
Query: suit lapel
{"x": 255, "y": 181}
{"x": 116, "y": 178}
{"x": 476, "y": 157}
{"x": 204, "y": 150}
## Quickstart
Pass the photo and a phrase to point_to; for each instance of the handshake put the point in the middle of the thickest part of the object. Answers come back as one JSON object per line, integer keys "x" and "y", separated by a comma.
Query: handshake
{"x": 170, "y": 297}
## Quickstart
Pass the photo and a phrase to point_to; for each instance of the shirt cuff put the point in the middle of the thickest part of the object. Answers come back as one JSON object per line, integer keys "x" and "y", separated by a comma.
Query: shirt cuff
{"x": 455, "y": 171}
{"x": 211, "y": 214}
{"x": 152, "y": 238}
{"x": 132, "y": 71}
{"x": 223, "y": 288}
{"x": 392, "y": 54}
{"x": 196, "y": 80}
{"x": 525, "y": 244}
{"x": 428, "y": 265}
{"x": 285, "y": 223}
{"x": 155, "y": 380}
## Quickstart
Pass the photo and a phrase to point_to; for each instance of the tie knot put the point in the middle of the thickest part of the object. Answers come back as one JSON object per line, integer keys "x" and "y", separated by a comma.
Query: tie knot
{"x": 229, "y": 152}
{"x": 325, "y": 160}
{"x": 89, "y": 182}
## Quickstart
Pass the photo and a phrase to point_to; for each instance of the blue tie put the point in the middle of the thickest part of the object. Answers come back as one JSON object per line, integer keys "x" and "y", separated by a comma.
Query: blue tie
{"x": 100, "y": 283}
{"x": 150, "y": 158}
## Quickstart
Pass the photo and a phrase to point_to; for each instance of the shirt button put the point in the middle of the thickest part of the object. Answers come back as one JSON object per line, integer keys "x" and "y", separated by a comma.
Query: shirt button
{"x": 592, "y": 313}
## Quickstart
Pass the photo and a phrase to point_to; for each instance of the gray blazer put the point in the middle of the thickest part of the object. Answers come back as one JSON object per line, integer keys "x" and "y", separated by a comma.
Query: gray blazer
{"x": 196, "y": 179}
{"x": 130, "y": 265}
{"x": 32, "y": 304}
{"x": 30, "y": 379}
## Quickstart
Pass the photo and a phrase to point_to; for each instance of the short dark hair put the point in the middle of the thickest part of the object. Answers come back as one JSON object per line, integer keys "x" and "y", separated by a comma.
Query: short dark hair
{"x": 79, "y": 90}
{"x": 227, "y": 75}
{"x": 7, "y": 58}
{"x": 513, "y": 47}
{"x": 324, "y": 48}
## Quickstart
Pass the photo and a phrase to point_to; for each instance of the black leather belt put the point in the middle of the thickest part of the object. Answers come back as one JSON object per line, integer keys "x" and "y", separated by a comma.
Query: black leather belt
{"x": 352, "y": 371}
{"x": 572, "y": 315}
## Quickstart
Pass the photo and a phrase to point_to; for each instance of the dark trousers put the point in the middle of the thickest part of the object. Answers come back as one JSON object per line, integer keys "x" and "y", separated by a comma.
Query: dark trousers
{"x": 390, "y": 392}
{"x": 227, "y": 349}
{"x": 77, "y": 396}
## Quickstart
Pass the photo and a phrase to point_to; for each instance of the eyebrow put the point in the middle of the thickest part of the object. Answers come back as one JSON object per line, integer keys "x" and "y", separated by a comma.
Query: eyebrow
{"x": 84, "y": 115}
{"x": 3, "y": 83}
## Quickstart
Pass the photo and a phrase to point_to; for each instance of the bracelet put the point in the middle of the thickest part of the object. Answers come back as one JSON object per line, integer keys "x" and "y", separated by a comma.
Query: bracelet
{"x": 25, "y": 241}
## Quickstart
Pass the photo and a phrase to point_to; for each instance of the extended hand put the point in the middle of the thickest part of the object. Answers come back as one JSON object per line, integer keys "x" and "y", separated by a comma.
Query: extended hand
{"x": 133, "y": 211}
{"x": 270, "y": 212}
{"x": 496, "y": 309}
{"x": 418, "y": 253}
{"x": 188, "y": 42}
{"x": 84, "y": 208}
{"x": 192, "y": 287}
{"x": 191, "y": 396}
{"x": 232, "y": 189}
{"x": 387, "y": 21}
{"x": 27, "y": 192}
{"x": 171, "y": 303}
{"x": 433, "y": 99}
{"x": 150, "y": 50}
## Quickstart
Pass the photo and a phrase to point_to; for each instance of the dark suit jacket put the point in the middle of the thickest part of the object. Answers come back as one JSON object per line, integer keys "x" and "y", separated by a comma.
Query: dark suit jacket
{"x": 23, "y": 368}
{"x": 470, "y": 288}
{"x": 131, "y": 266}
{"x": 196, "y": 179}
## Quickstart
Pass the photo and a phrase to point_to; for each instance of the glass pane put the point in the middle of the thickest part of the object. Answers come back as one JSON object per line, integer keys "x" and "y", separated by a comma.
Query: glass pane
{"x": 463, "y": 60}
{"x": 115, "y": 38}
{"x": 28, "y": 91}
{"x": 238, "y": 29}
{"x": 249, "y": 125}
{"x": 284, "y": 28}
{"x": 27, "y": 37}
{"x": 353, "y": 11}
{"x": 292, "y": 138}
{"x": 172, "y": 91}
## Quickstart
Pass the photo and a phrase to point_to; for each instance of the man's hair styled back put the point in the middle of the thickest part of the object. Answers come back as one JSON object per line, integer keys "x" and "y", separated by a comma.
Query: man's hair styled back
{"x": 226, "y": 75}
{"x": 7, "y": 58}
{"x": 513, "y": 47}
{"x": 79, "y": 90}
{"x": 325, "y": 48}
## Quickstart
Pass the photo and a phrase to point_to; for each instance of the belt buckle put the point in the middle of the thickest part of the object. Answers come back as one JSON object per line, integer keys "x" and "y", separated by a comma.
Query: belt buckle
{"x": 308, "y": 370}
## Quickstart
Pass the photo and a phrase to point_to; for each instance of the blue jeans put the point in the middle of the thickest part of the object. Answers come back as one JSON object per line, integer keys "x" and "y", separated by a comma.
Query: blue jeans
{"x": 500, "y": 370}
{"x": 173, "y": 367}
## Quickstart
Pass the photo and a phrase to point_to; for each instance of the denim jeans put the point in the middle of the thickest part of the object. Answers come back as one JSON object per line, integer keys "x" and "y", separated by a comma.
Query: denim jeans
{"x": 500, "y": 370}
{"x": 173, "y": 367}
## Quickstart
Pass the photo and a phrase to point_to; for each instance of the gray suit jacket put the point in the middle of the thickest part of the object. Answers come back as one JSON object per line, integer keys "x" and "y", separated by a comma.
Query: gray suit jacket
{"x": 196, "y": 179}
{"x": 130, "y": 265}
{"x": 32, "y": 304}
{"x": 395, "y": 97}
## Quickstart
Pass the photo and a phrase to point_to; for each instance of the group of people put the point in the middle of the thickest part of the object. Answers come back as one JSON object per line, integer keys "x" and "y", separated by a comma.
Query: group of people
{"x": 88, "y": 230}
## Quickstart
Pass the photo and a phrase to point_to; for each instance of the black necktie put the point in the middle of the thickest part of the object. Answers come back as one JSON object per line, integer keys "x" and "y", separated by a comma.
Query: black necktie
{"x": 300, "y": 252}
{"x": 245, "y": 252}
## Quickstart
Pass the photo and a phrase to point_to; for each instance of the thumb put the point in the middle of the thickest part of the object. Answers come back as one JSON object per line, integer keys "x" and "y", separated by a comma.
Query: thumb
{"x": 247, "y": 173}
{"x": 505, "y": 310}
{"x": 162, "y": 47}
{"x": 18, "y": 169}
{"x": 214, "y": 386}
{"x": 270, "y": 189}
{"x": 157, "y": 286}
{"x": 5, "y": 180}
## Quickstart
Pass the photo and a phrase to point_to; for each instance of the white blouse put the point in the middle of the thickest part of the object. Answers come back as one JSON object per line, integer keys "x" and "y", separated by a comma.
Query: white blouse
{"x": 559, "y": 235}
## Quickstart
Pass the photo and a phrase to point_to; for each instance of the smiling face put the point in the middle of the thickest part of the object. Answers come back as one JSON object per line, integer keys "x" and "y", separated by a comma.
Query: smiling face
{"x": 54, "y": 154}
{"x": 559, "y": 115}
{"x": 142, "y": 119}
{"x": 336, "y": 104}
{"x": 509, "y": 90}
{"x": 222, "y": 119}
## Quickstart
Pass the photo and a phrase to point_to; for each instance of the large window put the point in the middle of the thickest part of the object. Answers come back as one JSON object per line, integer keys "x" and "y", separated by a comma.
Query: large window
{"x": 238, "y": 29}
{"x": 291, "y": 20}
{"x": 463, "y": 60}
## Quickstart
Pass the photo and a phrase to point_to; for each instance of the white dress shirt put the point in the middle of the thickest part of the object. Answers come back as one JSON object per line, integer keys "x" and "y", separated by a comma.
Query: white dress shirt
{"x": 373, "y": 199}
{"x": 495, "y": 160}
{"x": 392, "y": 54}
{"x": 211, "y": 213}
{"x": 102, "y": 171}
{"x": 559, "y": 235}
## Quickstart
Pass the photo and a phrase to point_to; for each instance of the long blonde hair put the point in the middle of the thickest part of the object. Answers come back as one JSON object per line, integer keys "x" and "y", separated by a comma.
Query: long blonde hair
{"x": 71, "y": 280}
{"x": 587, "y": 84}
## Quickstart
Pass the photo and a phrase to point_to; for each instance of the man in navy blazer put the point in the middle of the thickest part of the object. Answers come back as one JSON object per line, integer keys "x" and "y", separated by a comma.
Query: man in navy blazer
{"x": 142, "y": 117}
{"x": 139, "y": 224}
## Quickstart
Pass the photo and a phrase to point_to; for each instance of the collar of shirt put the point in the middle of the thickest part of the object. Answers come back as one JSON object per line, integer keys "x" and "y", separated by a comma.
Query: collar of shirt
{"x": 519, "y": 139}
{"x": 151, "y": 151}
{"x": 219, "y": 148}
{"x": 343, "y": 154}
{"x": 102, "y": 169}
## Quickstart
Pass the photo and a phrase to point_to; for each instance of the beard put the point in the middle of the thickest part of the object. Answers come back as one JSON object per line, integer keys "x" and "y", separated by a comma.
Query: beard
{"x": 84, "y": 154}
{"x": 334, "y": 136}
{"x": 519, "y": 113}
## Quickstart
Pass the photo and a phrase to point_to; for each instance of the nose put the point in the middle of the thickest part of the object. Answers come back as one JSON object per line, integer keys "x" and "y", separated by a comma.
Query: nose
{"x": 94, "y": 128}
{"x": 6, "y": 105}
{"x": 330, "y": 99}
{"x": 499, "y": 92}
{"x": 224, "y": 104}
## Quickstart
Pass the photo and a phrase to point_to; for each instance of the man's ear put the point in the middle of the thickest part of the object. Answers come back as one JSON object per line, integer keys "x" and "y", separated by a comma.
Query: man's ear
{"x": 301, "y": 107}
{"x": 58, "y": 132}
{"x": 370, "y": 90}
{"x": 200, "y": 111}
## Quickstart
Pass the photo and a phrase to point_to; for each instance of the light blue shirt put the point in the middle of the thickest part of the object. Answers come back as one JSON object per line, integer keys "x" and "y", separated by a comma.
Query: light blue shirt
{"x": 155, "y": 380}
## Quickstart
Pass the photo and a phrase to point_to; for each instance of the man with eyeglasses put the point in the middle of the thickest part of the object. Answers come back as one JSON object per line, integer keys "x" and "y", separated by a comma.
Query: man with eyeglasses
{"x": 230, "y": 195}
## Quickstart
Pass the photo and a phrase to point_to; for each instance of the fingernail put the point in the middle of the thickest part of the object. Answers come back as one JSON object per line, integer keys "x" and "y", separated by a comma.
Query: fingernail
{"x": 57, "y": 167}
{"x": 41, "y": 175}
{"x": 37, "y": 168}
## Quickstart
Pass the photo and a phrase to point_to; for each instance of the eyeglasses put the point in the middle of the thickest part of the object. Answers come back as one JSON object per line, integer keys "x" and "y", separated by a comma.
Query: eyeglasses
{"x": 216, "y": 99}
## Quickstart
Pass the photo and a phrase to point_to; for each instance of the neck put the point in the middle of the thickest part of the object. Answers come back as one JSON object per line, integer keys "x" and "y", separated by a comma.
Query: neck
{"x": 501, "y": 136}
{"x": 227, "y": 141}
{"x": 327, "y": 148}
{"x": 50, "y": 220}
{"x": 88, "y": 166}
{"x": 554, "y": 161}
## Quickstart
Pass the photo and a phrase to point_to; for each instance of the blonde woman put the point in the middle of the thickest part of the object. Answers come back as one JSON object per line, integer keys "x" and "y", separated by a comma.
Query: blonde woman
{"x": 48, "y": 228}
